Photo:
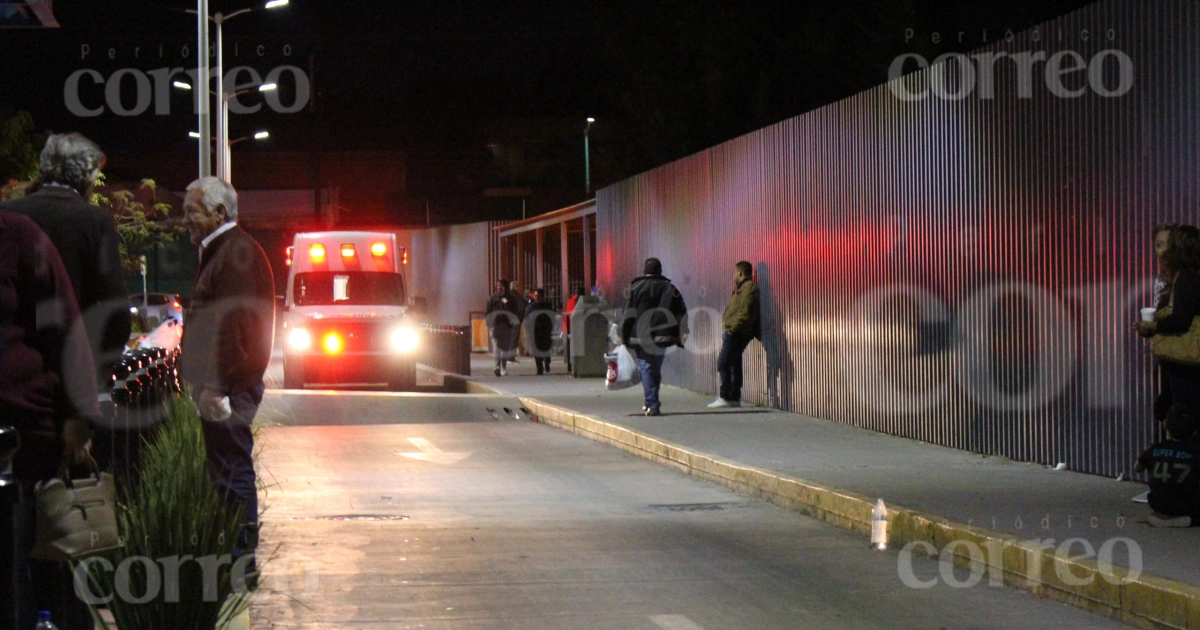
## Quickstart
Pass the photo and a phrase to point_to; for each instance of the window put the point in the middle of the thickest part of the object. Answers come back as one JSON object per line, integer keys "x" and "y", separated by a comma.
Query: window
{"x": 349, "y": 288}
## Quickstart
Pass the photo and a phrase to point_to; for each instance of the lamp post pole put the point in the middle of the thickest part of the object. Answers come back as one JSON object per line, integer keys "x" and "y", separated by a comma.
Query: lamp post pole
{"x": 202, "y": 93}
{"x": 222, "y": 124}
{"x": 587, "y": 159}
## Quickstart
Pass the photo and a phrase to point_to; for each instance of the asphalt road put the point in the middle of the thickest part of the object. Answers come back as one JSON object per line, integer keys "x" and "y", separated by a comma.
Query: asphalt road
{"x": 443, "y": 512}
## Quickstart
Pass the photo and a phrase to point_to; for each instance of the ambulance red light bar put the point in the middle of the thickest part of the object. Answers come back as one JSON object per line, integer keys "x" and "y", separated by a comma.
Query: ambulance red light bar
{"x": 316, "y": 253}
{"x": 378, "y": 249}
{"x": 348, "y": 251}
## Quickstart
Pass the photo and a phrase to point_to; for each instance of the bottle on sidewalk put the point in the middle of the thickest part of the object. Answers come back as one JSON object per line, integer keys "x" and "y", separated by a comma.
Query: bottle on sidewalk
{"x": 879, "y": 518}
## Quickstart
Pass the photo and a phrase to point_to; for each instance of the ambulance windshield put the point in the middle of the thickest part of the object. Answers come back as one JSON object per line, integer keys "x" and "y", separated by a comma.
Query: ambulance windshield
{"x": 351, "y": 288}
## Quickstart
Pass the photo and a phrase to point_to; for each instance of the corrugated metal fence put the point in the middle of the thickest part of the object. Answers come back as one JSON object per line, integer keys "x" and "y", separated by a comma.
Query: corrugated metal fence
{"x": 962, "y": 268}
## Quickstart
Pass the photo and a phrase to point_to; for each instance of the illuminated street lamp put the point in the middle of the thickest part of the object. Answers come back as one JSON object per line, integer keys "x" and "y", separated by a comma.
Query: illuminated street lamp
{"x": 587, "y": 159}
{"x": 202, "y": 71}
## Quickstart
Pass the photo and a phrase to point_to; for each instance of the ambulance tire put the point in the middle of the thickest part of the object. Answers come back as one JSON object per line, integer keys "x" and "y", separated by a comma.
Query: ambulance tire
{"x": 293, "y": 373}
{"x": 403, "y": 377}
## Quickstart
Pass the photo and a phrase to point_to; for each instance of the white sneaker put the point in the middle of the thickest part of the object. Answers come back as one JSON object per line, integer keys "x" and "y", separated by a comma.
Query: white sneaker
{"x": 503, "y": 372}
{"x": 1178, "y": 521}
{"x": 719, "y": 403}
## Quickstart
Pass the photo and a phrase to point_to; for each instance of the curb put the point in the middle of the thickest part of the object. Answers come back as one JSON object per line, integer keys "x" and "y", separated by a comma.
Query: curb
{"x": 1114, "y": 591}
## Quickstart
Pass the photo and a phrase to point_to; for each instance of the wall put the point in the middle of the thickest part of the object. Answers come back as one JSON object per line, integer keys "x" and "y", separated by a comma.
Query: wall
{"x": 960, "y": 271}
{"x": 452, "y": 268}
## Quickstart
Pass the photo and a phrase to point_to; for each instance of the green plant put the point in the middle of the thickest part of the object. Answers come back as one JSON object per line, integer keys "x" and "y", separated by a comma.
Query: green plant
{"x": 143, "y": 222}
{"x": 173, "y": 522}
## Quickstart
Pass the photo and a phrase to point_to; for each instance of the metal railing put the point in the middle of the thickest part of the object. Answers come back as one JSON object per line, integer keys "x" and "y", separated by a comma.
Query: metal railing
{"x": 446, "y": 348}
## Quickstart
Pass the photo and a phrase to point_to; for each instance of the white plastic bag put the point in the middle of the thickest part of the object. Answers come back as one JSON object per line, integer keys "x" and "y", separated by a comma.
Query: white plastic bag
{"x": 622, "y": 369}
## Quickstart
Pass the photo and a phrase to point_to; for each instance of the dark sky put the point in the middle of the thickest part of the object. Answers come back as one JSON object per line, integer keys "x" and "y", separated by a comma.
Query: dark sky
{"x": 664, "y": 78}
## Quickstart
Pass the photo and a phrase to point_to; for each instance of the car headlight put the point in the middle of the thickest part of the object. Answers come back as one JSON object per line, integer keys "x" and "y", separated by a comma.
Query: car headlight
{"x": 299, "y": 339}
{"x": 404, "y": 339}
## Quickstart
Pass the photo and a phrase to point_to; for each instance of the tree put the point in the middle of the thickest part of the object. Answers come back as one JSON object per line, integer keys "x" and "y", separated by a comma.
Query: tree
{"x": 142, "y": 217}
{"x": 19, "y": 147}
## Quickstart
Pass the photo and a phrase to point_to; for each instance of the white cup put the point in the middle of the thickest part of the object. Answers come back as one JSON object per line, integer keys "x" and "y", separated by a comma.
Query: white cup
{"x": 1148, "y": 314}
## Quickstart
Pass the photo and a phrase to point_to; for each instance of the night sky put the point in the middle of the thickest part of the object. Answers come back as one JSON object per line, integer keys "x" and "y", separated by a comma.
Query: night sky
{"x": 664, "y": 78}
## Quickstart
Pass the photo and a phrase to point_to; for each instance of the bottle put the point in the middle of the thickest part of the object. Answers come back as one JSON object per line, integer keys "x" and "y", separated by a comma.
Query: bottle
{"x": 879, "y": 525}
{"x": 44, "y": 622}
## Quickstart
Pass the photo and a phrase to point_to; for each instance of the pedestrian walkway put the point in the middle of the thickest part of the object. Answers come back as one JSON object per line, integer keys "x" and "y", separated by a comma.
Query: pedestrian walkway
{"x": 938, "y": 495}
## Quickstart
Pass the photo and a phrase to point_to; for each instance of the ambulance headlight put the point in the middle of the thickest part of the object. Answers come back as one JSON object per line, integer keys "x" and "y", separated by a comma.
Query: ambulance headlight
{"x": 299, "y": 339}
{"x": 404, "y": 339}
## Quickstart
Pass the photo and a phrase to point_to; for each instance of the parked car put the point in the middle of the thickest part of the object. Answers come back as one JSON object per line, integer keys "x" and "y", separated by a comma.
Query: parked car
{"x": 156, "y": 308}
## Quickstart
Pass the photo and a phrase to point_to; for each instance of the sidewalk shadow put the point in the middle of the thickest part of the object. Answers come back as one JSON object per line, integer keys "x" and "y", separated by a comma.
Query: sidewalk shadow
{"x": 781, "y": 370}
{"x": 730, "y": 412}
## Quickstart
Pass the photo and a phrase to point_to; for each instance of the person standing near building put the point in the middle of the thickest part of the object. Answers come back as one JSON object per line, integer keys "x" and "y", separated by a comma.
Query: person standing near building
{"x": 566, "y": 324}
{"x": 48, "y": 393}
{"x": 85, "y": 237}
{"x": 227, "y": 342}
{"x": 741, "y": 322}
{"x": 540, "y": 330}
{"x": 654, "y": 320}
{"x": 504, "y": 318}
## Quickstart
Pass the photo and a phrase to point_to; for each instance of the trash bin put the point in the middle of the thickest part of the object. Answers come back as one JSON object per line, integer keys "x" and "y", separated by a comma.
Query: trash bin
{"x": 589, "y": 337}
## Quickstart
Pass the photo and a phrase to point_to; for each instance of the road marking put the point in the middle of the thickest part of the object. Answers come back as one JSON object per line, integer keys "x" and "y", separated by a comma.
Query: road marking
{"x": 431, "y": 453}
{"x": 674, "y": 622}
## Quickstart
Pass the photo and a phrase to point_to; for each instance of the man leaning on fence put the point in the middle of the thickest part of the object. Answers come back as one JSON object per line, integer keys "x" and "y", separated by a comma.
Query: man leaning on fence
{"x": 741, "y": 324}
{"x": 655, "y": 319}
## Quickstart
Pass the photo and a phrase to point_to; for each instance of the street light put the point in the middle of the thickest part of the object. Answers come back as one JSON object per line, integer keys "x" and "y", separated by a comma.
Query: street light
{"x": 224, "y": 156}
{"x": 587, "y": 159}
{"x": 222, "y": 127}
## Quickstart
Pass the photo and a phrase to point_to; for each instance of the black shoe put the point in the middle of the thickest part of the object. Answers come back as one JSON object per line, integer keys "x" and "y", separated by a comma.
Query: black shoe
{"x": 653, "y": 412}
{"x": 496, "y": 371}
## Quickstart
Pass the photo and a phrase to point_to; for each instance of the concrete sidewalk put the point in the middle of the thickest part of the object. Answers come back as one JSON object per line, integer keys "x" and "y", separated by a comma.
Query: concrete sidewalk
{"x": 936, "y": 495}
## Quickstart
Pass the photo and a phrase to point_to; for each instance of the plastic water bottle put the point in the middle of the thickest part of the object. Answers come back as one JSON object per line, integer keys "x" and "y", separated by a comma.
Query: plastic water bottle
{"x": 879, "y": 525}
{"x": 44, "y": 622}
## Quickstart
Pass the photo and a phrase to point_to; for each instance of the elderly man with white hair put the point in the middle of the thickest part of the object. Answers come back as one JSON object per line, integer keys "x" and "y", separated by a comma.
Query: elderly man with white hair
{"x": 227, "y": 341}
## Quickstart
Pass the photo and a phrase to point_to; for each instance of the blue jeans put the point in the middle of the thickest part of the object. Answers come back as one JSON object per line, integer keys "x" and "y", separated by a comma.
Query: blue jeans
{"x": 229, "y": 446}
{"x": 650, "y": 367}
{"x": 729, "y": 365}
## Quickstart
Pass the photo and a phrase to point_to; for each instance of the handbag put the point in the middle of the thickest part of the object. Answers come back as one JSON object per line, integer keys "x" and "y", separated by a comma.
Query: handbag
{"x": 76, "y": 519}
{"x": 1183, "y": 348}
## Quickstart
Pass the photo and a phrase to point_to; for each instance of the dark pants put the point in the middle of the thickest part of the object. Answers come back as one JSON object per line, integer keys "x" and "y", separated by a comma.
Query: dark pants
{"x": 729, "y": 365}
{"x": 1180, "y": 386}
{"x": 543, "y": 364}
{"x": 502, "y": 347}
{"x": 567, "y": 350}
{"x": 37, "y": 584}
{"x": 650, "y": 366}
{"x": 229, "y": 446}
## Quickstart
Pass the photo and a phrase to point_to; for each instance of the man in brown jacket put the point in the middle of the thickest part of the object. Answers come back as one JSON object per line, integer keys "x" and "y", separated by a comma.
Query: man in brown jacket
{"x": 227, "y": 341}
{"x": 741, "y": 325}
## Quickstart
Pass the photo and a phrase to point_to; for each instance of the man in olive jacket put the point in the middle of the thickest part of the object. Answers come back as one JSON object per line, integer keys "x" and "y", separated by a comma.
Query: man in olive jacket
{"x": 227, "y": 341}
{"x": 741, "y": 325}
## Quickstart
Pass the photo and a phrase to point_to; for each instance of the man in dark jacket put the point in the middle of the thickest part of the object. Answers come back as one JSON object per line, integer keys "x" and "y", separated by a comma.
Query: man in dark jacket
{"x": 227, "y": 341}
{"x": 48, "y": 393}
{"x": 654, "y": 319}
{"x": 504, "y": 312}
{"x": 741, "y": 325}
{"x": 85, "y": 237}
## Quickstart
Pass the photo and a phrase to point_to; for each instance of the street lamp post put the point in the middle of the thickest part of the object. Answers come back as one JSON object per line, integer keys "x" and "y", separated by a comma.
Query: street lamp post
{"x": 587, "y": 159}
{"x": 222, "y": 124}
{"x": 202, "y": 100}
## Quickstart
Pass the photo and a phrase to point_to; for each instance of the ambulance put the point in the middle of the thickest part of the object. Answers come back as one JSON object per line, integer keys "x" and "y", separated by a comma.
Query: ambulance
{"x": 346, "y": 317}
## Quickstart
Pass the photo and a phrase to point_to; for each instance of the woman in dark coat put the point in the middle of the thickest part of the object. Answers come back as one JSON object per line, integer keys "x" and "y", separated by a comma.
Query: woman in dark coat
{"x": 540, "y": 328}
{"x": 1180, "y": 265}
{"x": 48, "y": 393}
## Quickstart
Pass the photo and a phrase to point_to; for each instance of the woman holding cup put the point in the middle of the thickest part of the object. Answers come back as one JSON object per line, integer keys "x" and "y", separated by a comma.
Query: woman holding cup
{"x": 1179, "y": 267}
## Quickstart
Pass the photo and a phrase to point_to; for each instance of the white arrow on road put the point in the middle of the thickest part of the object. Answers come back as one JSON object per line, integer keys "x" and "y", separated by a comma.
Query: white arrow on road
{"x": 431, "y": 453}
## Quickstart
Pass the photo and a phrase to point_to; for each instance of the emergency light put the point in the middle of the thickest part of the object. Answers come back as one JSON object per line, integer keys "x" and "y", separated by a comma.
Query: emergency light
{"x": 289, "y": 255}
{"x": 316, "y": 253}
{"x": 348, "y": 251}
{"x": 333, "y": 343}
{"x": 378, "y": 249}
